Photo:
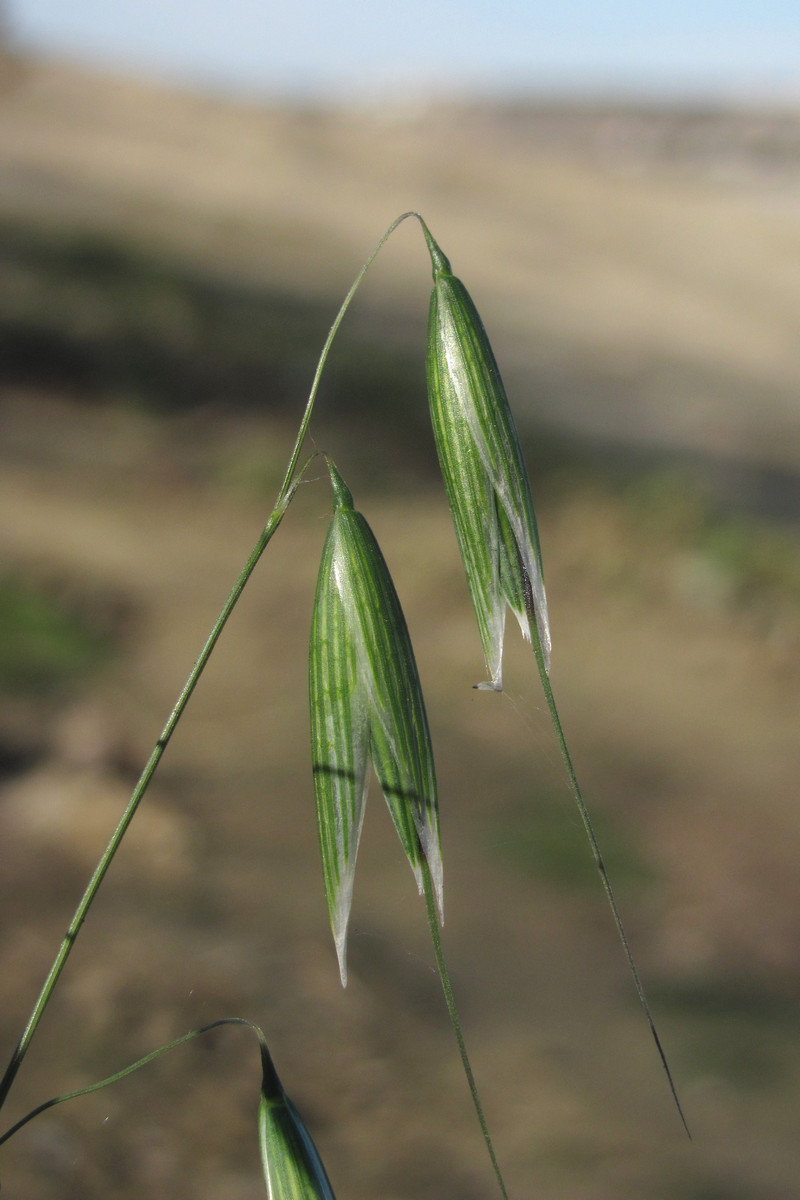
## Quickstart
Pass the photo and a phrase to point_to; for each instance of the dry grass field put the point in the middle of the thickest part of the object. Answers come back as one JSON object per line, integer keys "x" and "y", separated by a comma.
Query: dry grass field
{"x": 646, "y": 305}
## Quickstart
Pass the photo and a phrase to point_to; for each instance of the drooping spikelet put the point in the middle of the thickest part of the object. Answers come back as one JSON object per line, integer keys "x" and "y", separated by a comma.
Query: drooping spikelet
{"x": 483, "y": 470}
{"x": 366, "y": 703}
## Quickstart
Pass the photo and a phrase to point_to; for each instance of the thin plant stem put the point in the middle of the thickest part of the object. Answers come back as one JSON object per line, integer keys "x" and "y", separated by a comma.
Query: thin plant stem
{"x": 449, "y": 997}
{"x": 595, "y": 848}
{"x": 267, "y": 1069}
{"x": 288, "y": 487}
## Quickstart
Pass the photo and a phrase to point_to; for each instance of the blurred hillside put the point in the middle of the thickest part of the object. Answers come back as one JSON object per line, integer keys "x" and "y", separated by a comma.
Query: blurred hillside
{"x": 169, "y": 266}
{"x": 638, "y": 269}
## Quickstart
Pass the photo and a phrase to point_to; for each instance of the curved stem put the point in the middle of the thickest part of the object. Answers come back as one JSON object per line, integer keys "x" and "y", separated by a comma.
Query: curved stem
{"x": 268, "y": 1071}
{"x": 447, "y": 988}
{"x": 323, "y": 358}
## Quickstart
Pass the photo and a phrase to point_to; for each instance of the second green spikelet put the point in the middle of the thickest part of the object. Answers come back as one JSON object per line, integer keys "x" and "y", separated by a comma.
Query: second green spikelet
{"x": 366, "y": 703}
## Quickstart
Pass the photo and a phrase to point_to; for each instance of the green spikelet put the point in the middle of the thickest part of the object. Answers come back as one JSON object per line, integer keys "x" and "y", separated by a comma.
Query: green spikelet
{"x": 366, "y": 703}
{"x": 483, "y": 469}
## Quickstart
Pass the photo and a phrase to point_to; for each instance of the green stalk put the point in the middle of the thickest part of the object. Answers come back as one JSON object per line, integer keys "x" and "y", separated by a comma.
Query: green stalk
{"x": 598, "y": 858}
{"x": 447, "y": 988}
{"x": 288, "y": 487}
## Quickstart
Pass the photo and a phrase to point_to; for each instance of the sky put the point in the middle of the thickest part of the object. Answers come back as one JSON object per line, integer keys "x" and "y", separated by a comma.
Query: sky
{"x": 340, "y": 48}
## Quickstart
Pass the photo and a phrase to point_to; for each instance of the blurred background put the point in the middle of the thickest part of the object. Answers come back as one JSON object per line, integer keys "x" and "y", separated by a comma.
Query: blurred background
{"x": 186, "y": 193}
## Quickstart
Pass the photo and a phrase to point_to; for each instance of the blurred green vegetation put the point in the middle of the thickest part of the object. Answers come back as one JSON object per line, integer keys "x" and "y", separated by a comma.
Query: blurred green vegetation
{"x": 543, "y": 838}
{"x": 46, "y": 646}
{"x": 660, "y": 531}
{"x": 739, "y": 1030}
{"x": 752, "y": 557}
